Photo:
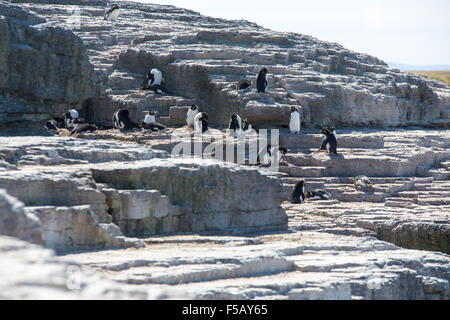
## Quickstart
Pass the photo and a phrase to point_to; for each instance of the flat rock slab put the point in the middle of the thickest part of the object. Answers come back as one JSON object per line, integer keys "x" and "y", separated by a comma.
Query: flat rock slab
{"x": 293, "y": 265}
{"x": 33, "y": 272}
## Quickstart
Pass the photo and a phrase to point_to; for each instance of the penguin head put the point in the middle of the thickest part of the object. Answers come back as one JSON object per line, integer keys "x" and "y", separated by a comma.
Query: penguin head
{"x": 283, "y": 150}
{"x": 293, "y": 109}
{"x": 245, "y": 124}
{"x": 194, "y": 107}
{"x": 234, "y": 116}
{"x": 204, "y": 116}
{"x": 300, "y": 184}
{"x": 263, "y": 71}
{"x": 309, "y": 194}
{"x": 324, "y": 131}
{"x": 331, "y": 129}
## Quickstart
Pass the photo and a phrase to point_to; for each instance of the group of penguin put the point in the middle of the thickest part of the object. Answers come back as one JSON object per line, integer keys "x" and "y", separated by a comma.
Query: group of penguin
{"x": 71, "y": 121}
{"x": 199, "y": 122}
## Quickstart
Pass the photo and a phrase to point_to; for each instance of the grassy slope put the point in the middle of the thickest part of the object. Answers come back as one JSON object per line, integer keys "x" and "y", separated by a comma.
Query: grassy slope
{"x": 443, "y": 76}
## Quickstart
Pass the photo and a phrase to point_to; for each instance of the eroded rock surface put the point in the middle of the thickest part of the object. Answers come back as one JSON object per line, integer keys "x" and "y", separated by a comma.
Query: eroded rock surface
{"x": 32, "y": 272}
{"x": 15, "y": 222}
{"x": 203, "y": 58}
{"x": 44, "y": 69}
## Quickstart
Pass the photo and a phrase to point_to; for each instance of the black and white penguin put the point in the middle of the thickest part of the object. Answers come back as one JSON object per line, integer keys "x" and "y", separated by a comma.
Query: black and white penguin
{"x": 150, "y": 123}
{"x": 246, "y": 126}
{"x": 112, "y": 13}
{"x": 79, "y": 127}
{"x": 69, "y": 116}
{"x": 243, "y": 84}
{"x": 333, "y": 131}
{"x": 329, "y": 142}
{"x": 318, "y": 195}
{"x": 235, "y": 125}
{"x": 261, "y": 80}
{"x": 121, "y": 120}
{"x": 153, "y": 81}
{"x": 298, "y": 194}
{"x": 192, "y": 112}
{"x": 294, "y": 122}
{"x": 201, "y": 122}
{"x": 272, "y": 154}
{"x": 51, "y": 125}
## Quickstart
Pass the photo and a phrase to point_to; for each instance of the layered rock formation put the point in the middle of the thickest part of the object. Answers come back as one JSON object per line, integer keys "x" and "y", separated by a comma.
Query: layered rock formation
{"x": 209, "y": 229}
{"x": 202, "y": 59}
{"x": 44, "y": 70}
{"x": 95, "y": 183}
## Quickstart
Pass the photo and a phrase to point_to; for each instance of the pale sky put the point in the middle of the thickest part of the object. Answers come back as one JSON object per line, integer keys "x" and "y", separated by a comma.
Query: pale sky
{"x": 404, "y": 31}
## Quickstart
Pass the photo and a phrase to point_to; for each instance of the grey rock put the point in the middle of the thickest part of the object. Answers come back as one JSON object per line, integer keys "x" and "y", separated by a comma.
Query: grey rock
{"x": 16, "y": 222}
{"x": 77, "y": 228}
{"x": 219, "y": 196}
{"x": 202, "y": 58}
{"x": 44, "y": 68}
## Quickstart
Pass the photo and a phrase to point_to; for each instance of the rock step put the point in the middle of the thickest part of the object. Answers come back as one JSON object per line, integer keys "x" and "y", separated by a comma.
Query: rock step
{"x": 309, "y": 140}
{"x": 305, "y": 171}
{"x": 445, "y": 165}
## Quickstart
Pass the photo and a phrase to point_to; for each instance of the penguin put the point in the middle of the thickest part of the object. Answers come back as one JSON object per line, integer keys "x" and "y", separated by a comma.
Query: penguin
{"x": 271, "y": 155}
{"x": 153, "y": 81}
{"x": 157, "y": 77}
{"x": 121, "y": 120}
{"x": 56, "y": 123}
{"x": 235, "y": 125}
{"x": 298, "y": 194}
{"x": 201, "y": 122}
{"x": 149, "y": 122}
{"x": 329, "y": 142}
{"x": 192, "y": 112}
{"x": 246, "y": 126}
{"x": 362, "y": 183}
{"x": 52, "y": 125}
{"x": 112, "y": 13}
{"x": 318, "y": 195}
{"x": 82, "y": 127}
{"x": 69, "y": 116}
{"x": 294, "y": 123}
{"x": 59, "y": 120}
{"x": 333, "y": 131}
{"x": 261, "y": 80}
{"x": 243, "y": 84}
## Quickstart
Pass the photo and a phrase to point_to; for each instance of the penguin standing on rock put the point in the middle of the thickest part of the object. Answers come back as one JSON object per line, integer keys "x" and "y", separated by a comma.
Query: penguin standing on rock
{"x": 298, "y": 194}
{"x": 192, "y": 112}
{"x": 329, "y": 141}
{"x": 261, "y": 80}
{"x": 112, "y": 13}
{"x": 333, "y": 131}
{"x": 235, "y": 125}
{"x": 201, "y": 122}
{"x": 294, "y": 122}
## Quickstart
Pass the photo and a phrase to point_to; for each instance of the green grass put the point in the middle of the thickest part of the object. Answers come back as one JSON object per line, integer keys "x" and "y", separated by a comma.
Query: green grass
{"x": 443, "y": 76}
